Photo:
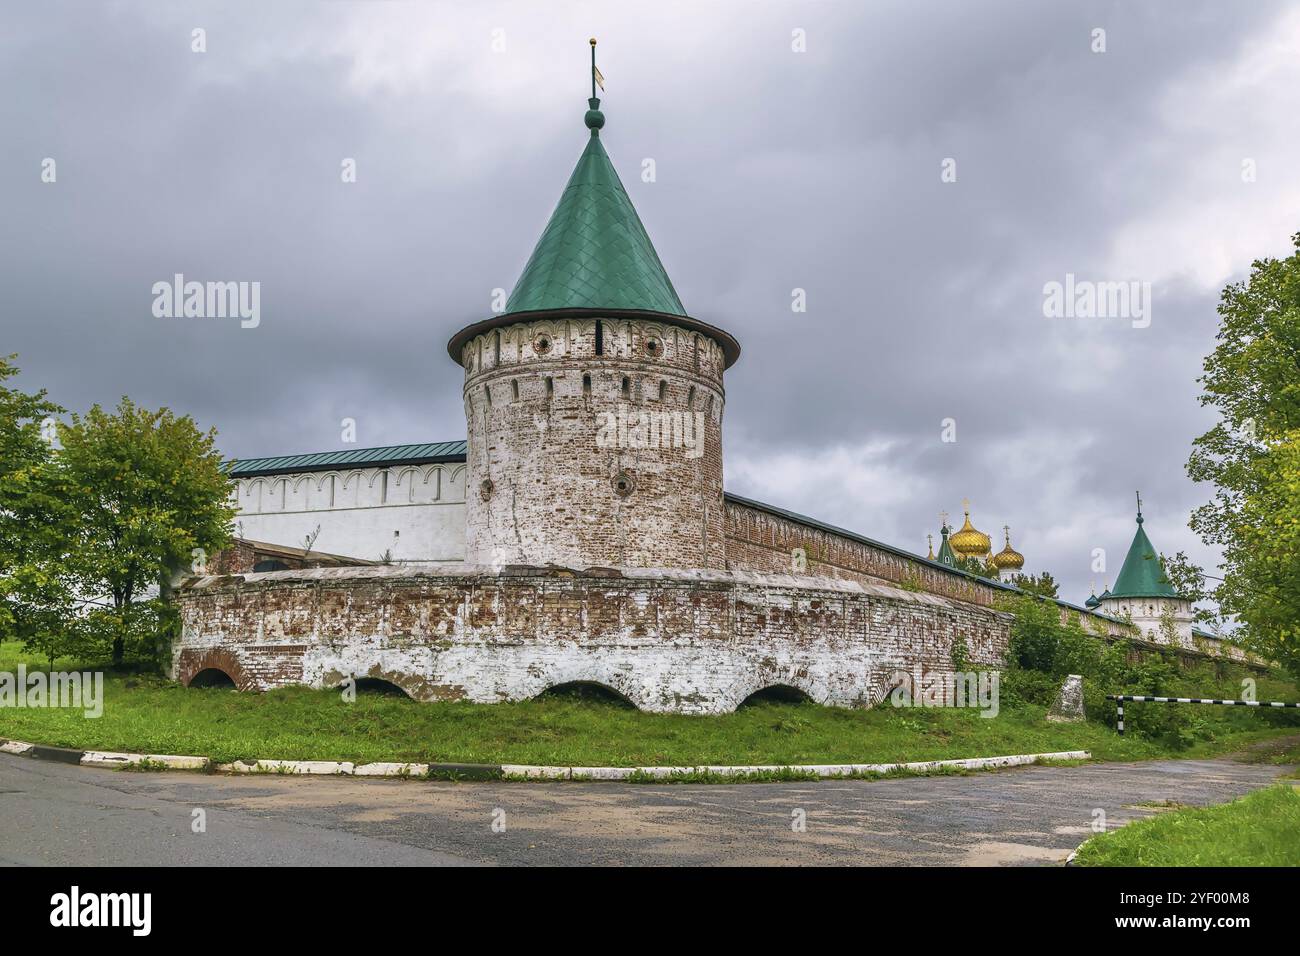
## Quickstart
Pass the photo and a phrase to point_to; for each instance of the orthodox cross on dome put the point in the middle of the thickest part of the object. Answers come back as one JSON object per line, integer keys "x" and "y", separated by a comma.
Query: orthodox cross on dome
{"x": 965, "y": 505}
{"x": 943, "y": 518}
{"x": 1006, "y": 530}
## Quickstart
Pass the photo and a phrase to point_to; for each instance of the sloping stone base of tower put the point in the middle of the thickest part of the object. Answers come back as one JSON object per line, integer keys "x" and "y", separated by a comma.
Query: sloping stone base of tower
{"x": 668, "y": 640}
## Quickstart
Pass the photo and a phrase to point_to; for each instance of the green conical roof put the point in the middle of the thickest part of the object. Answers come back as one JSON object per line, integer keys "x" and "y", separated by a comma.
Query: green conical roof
{"x": 594, "y": 252}
{"x": 946, "y": 555}
{"x": 1142, "y": 575}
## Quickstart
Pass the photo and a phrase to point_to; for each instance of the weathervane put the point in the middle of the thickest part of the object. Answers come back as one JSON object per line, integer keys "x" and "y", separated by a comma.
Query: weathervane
{"x": 1139, "y": 498}
{"x": 597, "y": 78}
{"x": 595, "y": 119}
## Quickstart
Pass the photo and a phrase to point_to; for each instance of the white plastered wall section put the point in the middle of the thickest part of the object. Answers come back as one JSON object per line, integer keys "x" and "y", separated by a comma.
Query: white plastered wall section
{"x": 415, "y": 513}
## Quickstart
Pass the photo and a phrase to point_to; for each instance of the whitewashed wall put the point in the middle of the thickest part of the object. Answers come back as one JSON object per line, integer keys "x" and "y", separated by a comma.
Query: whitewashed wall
{"x": 415, "y": 511}
{"x": 1149, "y": 616}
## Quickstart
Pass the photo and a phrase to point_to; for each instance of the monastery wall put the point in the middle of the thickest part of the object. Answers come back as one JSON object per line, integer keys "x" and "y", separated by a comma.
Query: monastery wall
{"x": 762, "y": 540}
{"x": 688, "y": 642}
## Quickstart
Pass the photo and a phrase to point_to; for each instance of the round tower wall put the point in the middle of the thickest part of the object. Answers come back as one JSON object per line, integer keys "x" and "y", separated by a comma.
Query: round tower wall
{"x": 594, "y": 442}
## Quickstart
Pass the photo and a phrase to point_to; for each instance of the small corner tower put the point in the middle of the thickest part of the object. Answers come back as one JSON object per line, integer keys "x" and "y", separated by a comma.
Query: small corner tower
{"x": 1143, "y": 593}
{"x": 594, "y": 403}
{"x": 946, "y": 556}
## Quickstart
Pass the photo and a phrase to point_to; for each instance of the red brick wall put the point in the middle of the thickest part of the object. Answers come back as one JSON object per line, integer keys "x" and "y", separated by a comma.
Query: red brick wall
{"x": 758, "y": 540}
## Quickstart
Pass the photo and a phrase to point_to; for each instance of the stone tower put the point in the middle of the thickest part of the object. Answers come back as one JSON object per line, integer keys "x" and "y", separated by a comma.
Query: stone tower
{"x": 594, "y": 403}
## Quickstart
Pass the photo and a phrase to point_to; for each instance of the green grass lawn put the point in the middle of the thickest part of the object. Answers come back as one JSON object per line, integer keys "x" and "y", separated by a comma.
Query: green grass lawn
{"x": 1261, "y": 829}
{"x": 149, "y": 715}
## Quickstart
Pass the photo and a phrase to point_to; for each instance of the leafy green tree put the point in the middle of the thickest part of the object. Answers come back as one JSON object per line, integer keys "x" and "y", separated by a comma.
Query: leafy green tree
{"x": 1043, "y": 585}
{"x": 36, "y": 601}
{"x": 1042, "y": 641}
{"x": 977, "y": 567}
{"x": 150, "y": 496}
{"x": 1252, "y": 456}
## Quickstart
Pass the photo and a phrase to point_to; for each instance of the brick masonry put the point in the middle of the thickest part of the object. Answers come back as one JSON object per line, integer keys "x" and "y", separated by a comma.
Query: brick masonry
{"x": 668, "y": 640}
{"x": 544, "y": 488}
{"x": 759, "y": 540}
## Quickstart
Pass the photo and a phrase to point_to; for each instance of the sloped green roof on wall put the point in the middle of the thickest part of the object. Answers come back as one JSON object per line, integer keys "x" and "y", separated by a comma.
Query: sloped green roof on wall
{"x": 594, "y": 252}
{"x": 422, "y": 453}
{"x": 1142, "y": 574}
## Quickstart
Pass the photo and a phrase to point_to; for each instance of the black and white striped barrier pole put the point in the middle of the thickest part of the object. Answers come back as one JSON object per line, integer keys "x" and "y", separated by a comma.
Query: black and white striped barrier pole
{"x": 1120, "y": 698}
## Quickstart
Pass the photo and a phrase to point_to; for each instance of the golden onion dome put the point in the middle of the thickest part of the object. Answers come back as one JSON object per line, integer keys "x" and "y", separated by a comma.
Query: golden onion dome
{"x": 1008, "y": 559}
{"x": 968, "y": 542}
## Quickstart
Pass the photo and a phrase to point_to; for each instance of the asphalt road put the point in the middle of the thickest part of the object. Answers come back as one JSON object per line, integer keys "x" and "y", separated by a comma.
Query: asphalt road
{"x": 56, "y": 814}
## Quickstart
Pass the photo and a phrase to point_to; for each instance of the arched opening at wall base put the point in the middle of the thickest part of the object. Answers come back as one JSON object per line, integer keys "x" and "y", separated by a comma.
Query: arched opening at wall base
{"x": 777, "y": 694}
{"x": 378, "y": 687}
{"x": 212, "y": 678}
{"x": 587, "y": 692}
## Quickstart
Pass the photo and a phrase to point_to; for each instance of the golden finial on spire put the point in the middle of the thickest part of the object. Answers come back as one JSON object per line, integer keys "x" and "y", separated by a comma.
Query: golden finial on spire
{"x": 929, "y": 538}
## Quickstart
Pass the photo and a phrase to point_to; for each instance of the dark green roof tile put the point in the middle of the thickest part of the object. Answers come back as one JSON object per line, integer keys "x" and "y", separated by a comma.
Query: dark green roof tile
{"x": 594, "y": 252}
{"x": 1143, "y": 574}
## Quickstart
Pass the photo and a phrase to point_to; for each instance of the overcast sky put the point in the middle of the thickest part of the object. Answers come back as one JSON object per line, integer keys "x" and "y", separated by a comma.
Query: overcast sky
{"x": 776, "y": 169}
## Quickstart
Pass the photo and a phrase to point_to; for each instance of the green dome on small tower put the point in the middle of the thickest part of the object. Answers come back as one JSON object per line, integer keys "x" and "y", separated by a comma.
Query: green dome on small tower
{"x": 946, "y": 555}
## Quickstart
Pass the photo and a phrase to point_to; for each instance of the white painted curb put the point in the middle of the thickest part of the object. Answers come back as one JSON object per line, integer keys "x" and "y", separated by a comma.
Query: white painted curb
{"x": 391, "y": 770}
{"x": 291, "y": 767}
{"x": 824, "y": 771}
{"x": 97, "y": 758}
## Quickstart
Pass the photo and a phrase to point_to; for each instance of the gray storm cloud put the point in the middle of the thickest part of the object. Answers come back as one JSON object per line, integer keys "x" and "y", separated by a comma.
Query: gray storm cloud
{"x": 775, "y": 170}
